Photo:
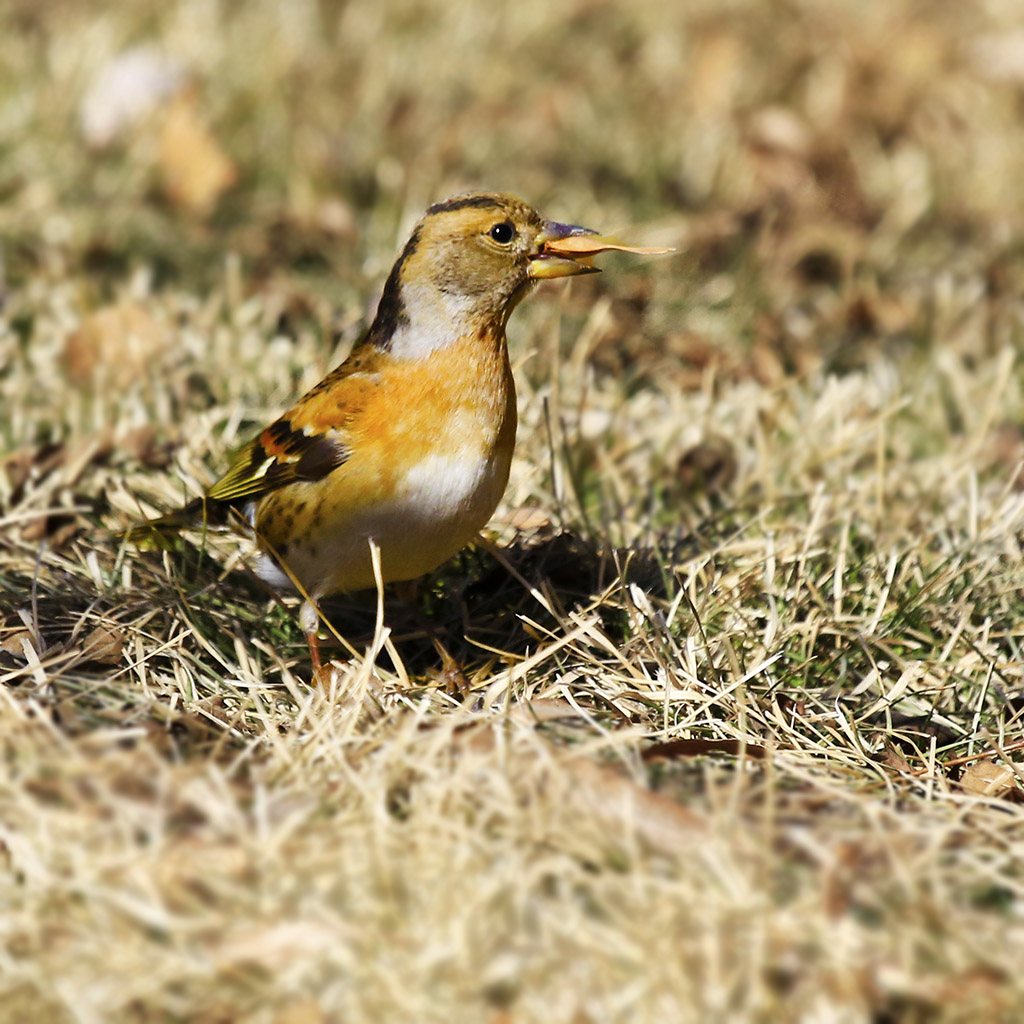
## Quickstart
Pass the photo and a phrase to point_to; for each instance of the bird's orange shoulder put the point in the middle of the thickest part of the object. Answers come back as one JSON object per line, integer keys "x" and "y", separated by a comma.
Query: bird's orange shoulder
{"x": 339, "y": 399}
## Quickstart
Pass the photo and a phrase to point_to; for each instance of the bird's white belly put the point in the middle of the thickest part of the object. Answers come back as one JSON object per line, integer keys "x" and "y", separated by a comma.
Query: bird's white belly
{"x": 437, "y": 508}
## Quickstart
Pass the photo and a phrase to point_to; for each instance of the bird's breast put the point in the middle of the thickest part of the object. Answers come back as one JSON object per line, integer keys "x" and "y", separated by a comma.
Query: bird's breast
{"x": 442, "y": 486}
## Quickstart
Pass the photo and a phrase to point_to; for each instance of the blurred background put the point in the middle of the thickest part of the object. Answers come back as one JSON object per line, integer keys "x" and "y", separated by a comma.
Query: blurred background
{"x": 838, "y": 175}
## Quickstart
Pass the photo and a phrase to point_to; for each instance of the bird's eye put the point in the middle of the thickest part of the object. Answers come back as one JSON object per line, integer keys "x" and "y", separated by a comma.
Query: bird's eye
{"x": 502, "y": 233}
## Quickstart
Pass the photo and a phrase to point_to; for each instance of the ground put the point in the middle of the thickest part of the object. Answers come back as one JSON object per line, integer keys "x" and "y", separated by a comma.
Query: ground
{"x": 728, "y": 726}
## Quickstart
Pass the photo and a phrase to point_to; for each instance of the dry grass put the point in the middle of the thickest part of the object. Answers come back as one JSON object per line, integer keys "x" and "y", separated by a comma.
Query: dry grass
{"x": 754, "y": 602}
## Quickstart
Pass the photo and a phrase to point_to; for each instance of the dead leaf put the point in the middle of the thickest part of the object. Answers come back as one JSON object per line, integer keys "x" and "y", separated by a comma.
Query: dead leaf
{"x": 113, "y": 346}
{"x": 700, "y": 747}
{"x": 708, "y": 467}
{"x": 127, "y": 88}
{"x": 779, "y": 129}
{"x": 142, "y": 444}
{"x": 895, "y": 760}
{"x": 195, "y": 169}
{"x": 104, "y": 645}
{"x": 616, "y": 800}
{"x": 526, "y": 519}
{"x": 790, "y": 707}
{"x": 56, "y": 529}
{"x": 714, "y": 72}
{"x": 766, "y": 365}
{"x": 31, "y": 463}
{"x": 14, "y": 642}
{"x": 335, "y": 217}
{"x": 986, "y": 778}
{"x": 591, "y": 245}
{"x": 660, "y": 822}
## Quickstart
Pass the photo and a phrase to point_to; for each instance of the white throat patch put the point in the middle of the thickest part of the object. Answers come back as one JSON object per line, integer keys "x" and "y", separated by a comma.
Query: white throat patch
{"x": 433, "y": 320}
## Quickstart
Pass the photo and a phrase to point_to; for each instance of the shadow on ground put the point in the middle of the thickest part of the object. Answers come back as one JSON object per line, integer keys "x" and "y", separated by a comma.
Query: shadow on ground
{"x": 475, "y": 605}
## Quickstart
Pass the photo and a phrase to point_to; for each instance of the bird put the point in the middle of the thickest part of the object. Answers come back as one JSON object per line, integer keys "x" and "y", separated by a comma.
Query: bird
{"x": 408, "y": 443}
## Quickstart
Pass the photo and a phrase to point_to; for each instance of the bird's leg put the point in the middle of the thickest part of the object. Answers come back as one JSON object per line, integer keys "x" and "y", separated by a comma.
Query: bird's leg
{"x": 313, "y": 639}
{"x": 309, "y": 620}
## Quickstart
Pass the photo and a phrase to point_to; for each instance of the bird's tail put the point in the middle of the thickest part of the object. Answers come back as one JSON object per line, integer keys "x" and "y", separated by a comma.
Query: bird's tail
{"x": 160, "y": 532}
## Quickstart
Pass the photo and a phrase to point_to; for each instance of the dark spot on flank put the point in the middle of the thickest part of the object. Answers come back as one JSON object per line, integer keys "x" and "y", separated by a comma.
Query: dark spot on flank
{"x": 391, "y": 310}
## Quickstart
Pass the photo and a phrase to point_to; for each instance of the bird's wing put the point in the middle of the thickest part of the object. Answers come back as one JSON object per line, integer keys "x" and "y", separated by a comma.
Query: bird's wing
{"x": 284, "y": 453}
{"x": 309, "y": 441}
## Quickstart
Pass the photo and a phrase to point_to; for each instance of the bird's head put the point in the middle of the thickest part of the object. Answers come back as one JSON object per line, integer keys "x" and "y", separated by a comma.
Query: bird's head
{"x": 468, "y": 263}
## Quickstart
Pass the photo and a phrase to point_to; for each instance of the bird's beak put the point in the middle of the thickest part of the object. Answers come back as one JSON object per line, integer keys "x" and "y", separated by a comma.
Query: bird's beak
{"x": 550, "y": 261}
{"x": 565, "y": 250}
